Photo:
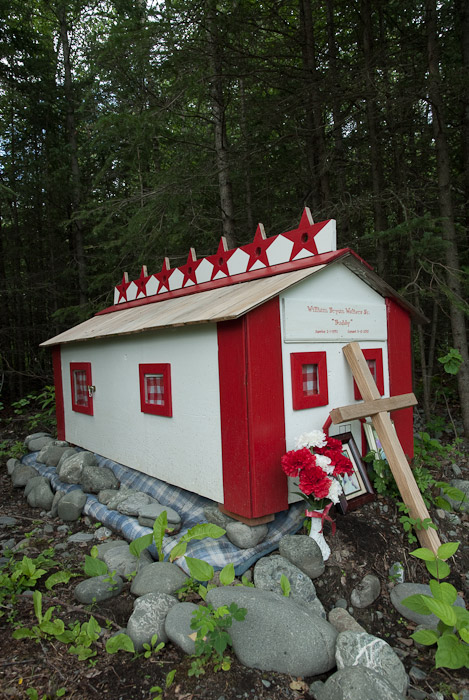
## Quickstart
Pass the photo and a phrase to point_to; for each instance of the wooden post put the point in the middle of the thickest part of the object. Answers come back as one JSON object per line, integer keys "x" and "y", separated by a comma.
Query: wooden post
{"x": 376, "y": 408}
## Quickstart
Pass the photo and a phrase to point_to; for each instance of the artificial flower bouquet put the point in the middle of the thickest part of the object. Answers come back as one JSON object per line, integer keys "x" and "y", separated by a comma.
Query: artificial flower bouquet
{"x": 318, "y": 462}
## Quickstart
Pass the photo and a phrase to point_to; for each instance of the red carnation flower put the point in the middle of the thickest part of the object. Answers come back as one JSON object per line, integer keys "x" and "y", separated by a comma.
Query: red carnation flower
{"x": 342, "y": 464}
{"x": 334, "y": 444}
{"x": 296, "y": 460}
{"x": 313, "y": 481}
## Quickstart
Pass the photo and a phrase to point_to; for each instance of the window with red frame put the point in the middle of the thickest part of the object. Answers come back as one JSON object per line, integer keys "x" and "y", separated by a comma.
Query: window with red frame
{"x": 155, "y": 389}
{"x": 309, "y": 379}
{"x": 374, "y": 360}
{"x": 82, "y": 389}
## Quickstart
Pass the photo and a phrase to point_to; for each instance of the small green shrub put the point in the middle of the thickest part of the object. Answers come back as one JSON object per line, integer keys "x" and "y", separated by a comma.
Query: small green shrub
{"x": 212, "y": 637}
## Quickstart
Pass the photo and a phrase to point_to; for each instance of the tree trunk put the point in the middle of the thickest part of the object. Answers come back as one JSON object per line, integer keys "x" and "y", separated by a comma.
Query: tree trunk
{"x": 219, "y": 124}
{"x": 315, "y": 140}
{"x": 458, "y": 320}
{"x": 76, "y": 225}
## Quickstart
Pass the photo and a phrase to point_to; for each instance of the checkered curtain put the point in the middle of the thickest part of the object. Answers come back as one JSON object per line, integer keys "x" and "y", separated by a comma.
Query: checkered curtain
{"x": 310, "y": 380}
{"x": 80, "y": 387}
{"x": 154, "y": 389}
{"x": 372, "y": 367}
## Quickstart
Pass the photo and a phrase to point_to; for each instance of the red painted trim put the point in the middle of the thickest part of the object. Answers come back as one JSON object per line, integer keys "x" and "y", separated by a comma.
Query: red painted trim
{"x": 271, "y": 271}
{"x": 86, "y": 366}
{"x": 59, "y": 392}
{"x": 297, "y": 360}
{"x": 165, "y": 409}
{"x": 375, "y": 354}
{"x": 400, "y": 371}
{"x": 252, "y": 412}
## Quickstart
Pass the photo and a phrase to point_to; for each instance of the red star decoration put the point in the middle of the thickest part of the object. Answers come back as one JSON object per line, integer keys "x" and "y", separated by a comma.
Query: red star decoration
{"x": 220, "y": 259}
{"x": 257, "y": 250}
{"x": 163, "y": 276}
{"x": 123, "y": 287}
{"x": 303, "y": 236}
{"x": 141, "y": 283}
{"x": 188, "y": 270}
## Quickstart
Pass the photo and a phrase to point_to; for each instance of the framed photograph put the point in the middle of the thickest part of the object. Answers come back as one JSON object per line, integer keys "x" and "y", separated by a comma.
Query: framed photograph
{"x": 357, "y": 487}
{"x": 374, "y": 444}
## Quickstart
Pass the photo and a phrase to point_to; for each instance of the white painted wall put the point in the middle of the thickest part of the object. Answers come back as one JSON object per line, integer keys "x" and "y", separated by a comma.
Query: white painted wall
{"x": 338, "y": 284}
{"x": 184, "y": 449}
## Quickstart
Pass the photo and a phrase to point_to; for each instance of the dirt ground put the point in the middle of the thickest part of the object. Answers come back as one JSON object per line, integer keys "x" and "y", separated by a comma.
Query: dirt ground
{"x": 367, "y": 540}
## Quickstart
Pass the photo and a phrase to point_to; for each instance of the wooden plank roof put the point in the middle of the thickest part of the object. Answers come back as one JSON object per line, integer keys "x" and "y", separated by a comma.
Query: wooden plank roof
{"x": 214, "y": 305}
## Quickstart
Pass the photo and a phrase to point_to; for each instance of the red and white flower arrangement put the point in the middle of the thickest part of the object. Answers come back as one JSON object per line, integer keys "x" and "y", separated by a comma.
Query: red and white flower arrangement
{"x": 317, "y": 461}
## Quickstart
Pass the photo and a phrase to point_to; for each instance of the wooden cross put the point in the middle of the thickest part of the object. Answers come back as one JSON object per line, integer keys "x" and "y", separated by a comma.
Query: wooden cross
{"x": 377, "y": 408}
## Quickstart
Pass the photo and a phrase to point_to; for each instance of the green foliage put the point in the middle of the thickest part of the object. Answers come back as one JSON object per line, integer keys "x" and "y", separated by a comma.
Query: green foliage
{"x": 409, "y": 523}
{"x": 43, "y": 405}
{"x": 198, "y": 532}
{"x": 22, "y": 575}
{"x": 14, "y": 450}
{"x": 33, "y": 694}
{"x": 120, "y": 642}
{"x": 452, "y": 633}
{"x": 285, "y": 585}
{"x": 451, "y": 361}
{"x": 212, "y": 637}
{"x": 201, "y": 571}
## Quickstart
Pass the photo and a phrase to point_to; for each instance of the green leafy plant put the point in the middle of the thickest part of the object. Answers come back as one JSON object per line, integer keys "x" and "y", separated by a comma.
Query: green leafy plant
{"x": 33, "y": 694}
{"x": 21, "y": 575}
{"x": 285, "y": 585}
{"x": 120, "y": 642}
{"x": 452, "y": 361}
{"x": 452, "y": 633}
{"x": 43, "y": 403}
{"x": 452, "y": 492}
{"x": 411, "y": 524}
{"x": 212, "y": 637}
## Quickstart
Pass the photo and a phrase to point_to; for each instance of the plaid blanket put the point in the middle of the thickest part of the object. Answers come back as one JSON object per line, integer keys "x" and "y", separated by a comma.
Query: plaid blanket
{"x": 190, "y": 507}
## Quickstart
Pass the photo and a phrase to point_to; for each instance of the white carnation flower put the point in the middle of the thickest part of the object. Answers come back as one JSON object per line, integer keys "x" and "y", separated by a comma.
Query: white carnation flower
{"x": 315, "y": 438}
{"x": 325, "y": 463}
{"x": 335, "y": 491}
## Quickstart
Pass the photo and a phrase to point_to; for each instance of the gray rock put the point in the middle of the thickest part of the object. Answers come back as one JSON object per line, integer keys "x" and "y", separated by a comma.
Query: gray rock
{"x": 72, "y": 467}
{"x": 148, "y": 618}
{"x": 457, "y": 471}
{"x": 95, "y": 479}
{"x": 417, "y": 674}
{"x": 315, "y": 688}
{"x": 21, "y": 474}
{"x": 121, "y": 560}
{"x": 366, "y": 592}
{"x": 119, "y": 497}
{"x": 358, "y": 683}
{"x": 102, "y": 533}
{"x": 54, "y": 509}
{"x": 463, "y": 485}
{"x": 48, "y": 529}
{"x": 152, "y": 511}
{"x": 7, "y": 545}
{"x": 417, "y": 694}
{"x": 11, "y": 465}
{"x": 106, "y": 546}
{"x": 51, "y": 454}
{"x": 70, "y": 506}
{"x": 161, "y": 576}
{"x": 244, "y": 536}
{"x": 68, "y": 452}
{"x": 105, "y": 495}
{"x": 81, "y": 537}
{"x": 277, "y": 634}
{"x": 37, "y": 443}
{"x": 343, "y": 621}
{"x": 341, "y": 603}
{"x": 33, "y": 436}
{"x": 403, "y": 590}
{"x": 6, "y": 521}
{"x": 362, "y": 649}
{"x": 303, "y": 552}
{"x": 268, "y": 572}
{"x": 133, "y": 503}
{"x": 214, "y": 515}
{"x": 32, "y": 483}
{"x": 178, "y": 626}
{"x": 396, "y": 572}
{"x": 41, "y": 495}
{"x": 98, "y": 588}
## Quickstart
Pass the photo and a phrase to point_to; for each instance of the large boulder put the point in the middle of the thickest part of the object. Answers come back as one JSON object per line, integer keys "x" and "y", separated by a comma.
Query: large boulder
{"x": 162, "y": 577}
{"x": 277, "y": 634}
{"x": 95, "y": 478}
{"x": 70, "y": 506}
{"x": 148, "y": 618}
{"x": 71, "y": 469}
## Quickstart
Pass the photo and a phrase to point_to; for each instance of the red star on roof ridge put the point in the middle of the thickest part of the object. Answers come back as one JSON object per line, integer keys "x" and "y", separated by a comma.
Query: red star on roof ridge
{"x": 141, "y": 282}
{"x": 257, "y": 250}
{"x": 188, "y": 270}
{"x": 303, "y": 237}
{"x": 123, "y": 287}
{"x": 164, "y": 275}
{"x": 220, "y": 259}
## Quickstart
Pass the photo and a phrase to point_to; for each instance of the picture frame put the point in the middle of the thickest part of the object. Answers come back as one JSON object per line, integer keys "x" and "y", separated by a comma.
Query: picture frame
{"x": 374, "y": 443}
{"x": 357, "y": 488}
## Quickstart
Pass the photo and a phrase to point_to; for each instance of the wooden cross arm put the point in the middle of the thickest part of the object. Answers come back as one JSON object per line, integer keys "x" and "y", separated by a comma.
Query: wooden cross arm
{"x": 371, "y": 408}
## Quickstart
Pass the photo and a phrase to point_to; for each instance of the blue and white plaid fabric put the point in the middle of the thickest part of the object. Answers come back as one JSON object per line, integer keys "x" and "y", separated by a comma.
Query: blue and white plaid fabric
{"x": 190, "y": 507}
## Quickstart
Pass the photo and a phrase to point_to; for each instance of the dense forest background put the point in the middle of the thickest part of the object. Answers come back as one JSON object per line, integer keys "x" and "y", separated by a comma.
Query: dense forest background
{"x": 131, "y": 130}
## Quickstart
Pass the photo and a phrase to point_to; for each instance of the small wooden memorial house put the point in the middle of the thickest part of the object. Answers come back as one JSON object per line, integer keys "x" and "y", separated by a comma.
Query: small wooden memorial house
{"x": 204, "y": 375}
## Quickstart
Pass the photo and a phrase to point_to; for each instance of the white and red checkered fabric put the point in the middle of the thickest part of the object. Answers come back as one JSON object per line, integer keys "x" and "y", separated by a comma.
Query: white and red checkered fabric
{"x": 154, "y": 389}
{"x": 310, "y": 380}
{"x": 372, "y": 367}
{"x": 80, "y": 387}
